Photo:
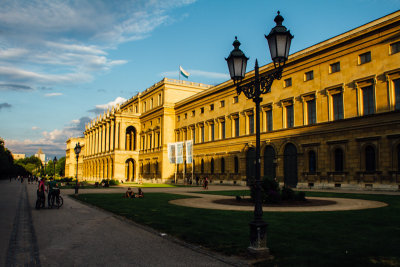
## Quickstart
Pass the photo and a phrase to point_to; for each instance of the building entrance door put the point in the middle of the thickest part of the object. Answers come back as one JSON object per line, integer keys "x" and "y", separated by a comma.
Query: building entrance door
{"x": 290, "y": 165}
{"x": 269, "y": 165}
{"x": 251, "y": 166}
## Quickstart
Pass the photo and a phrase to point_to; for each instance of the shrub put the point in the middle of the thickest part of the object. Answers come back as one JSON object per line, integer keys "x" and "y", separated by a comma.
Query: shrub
{"x": 300, "y": 196}
{"x": 287, "y": 193}
{"x": 113, "y": 182}
{"x": 273, "y": 197}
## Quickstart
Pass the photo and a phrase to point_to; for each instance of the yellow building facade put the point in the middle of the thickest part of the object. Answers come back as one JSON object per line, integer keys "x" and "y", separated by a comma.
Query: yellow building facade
{"x": 333, "y": 120}
{"x": 70, "y": 157}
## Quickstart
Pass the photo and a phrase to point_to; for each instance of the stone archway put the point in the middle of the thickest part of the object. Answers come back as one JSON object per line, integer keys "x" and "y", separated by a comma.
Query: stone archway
{"x": 269, "y": 162}
{"x": 130, "y": 170}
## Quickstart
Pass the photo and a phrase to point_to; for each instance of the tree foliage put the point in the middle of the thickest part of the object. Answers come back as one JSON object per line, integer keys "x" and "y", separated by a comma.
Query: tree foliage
{"x": 7, "y": 166}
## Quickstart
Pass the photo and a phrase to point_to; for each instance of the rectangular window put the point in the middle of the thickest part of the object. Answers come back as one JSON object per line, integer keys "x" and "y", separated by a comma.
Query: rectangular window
{"x": 223, "y": 129}
{"x": 179, "y": 118}
{"x": 202, "y": 134}
{"x": 236, "y": 127}
{"x": 309, "y": 76}
{"x": 136, "y": 109}
{"x": 212, "y": 107}
{"x": 396, "y": 84}
{"x": 212, "y": 128}
{"x": 335, "y": 67}
{"x": 251, "y": 124}
{"x": 235, "y": 99}
{"x": 288, "y": 82}
{"x": 269, "y": 120}
{"x": 222, "y": 103}
{"x": 289, "y": 116}
{"x": 185, "y": 115}
{"x": 201, "y": 110}
{"x": 178, "y": 137}
{"x": 194, "y": 135}
{"x": 337, "y": 100}
{"x": 151, "y": 103}
{"x": 193, "y": 113}
{"x": 144, "y": 107}
{"x": 364, "y": 58}
{"x": 159, "y": 99}
{"x": 311, "y": 112}
{"x": 368, "y": 100}
{"x": 394, "y": 48}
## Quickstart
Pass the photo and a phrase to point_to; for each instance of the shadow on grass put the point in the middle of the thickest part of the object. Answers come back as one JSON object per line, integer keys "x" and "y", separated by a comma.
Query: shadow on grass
{"x": 360, "y": 238}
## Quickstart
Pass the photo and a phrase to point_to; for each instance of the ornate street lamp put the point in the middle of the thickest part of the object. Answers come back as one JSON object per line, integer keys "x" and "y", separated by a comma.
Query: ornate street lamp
{"x": 279, "y": 40}
{"x": 77, "y": 150}
{"x": 54, "y": 163}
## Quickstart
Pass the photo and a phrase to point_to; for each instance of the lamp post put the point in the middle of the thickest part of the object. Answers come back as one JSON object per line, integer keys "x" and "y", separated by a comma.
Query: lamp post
{"x": 77, "y": 150}
{"x": 279, "y": 40}
{"x": 55, "y": 162}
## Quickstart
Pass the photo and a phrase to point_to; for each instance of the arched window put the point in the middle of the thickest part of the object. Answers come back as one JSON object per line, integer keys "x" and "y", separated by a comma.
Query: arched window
{"x": 338, "y": 160}
{"x": 222, "y": 165}
{"x": 370, "y": 159}
{"x": 212, "y": 166}
{"x": 202, "y": 165}
{"x": 130, "y": 138}
{"x": 312, "y": 161}
{"x": 236, "y": 165}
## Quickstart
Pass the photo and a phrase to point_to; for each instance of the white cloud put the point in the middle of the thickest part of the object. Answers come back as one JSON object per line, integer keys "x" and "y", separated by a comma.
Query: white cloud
{"x": 103, "y": 107}
{"x": 52, "y": 94}
{"x": 51, "y": 142}
{"x": 56, "y": 42}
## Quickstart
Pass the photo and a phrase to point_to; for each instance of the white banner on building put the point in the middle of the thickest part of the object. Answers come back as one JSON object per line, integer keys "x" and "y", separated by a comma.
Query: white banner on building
{"x": 179, "y": 152}
{"x": 189, "y": 151}
{"x": 172, "y": 152}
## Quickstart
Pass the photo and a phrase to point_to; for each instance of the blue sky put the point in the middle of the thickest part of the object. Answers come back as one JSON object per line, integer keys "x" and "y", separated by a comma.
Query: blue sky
{"x": 63, "y": 62}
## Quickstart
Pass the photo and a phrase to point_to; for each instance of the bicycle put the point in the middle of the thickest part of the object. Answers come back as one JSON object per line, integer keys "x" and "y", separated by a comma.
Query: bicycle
{"x": 57, "y": 198}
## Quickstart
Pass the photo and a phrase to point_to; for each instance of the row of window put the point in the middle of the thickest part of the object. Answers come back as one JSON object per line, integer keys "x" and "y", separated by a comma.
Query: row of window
{"x": 211, "y": 108}
{"x": 335, "y": 67}
{"x": 368, "y": 108}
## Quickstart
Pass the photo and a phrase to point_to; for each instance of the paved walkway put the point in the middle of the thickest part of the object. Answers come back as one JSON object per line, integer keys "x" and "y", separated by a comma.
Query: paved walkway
{"x": 79, "y": 235}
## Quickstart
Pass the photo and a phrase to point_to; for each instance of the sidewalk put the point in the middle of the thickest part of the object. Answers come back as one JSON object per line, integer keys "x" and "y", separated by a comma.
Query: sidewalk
{"x": 79, "y": 235}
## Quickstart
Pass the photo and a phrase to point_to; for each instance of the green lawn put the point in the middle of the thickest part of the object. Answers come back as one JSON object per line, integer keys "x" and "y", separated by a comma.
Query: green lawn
{"x": 359, "y": 238}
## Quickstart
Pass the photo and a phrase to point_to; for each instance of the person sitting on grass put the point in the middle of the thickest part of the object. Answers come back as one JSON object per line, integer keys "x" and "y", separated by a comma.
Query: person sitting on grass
{"x": 129, "y": 193}
{"x": 140, "y": 193}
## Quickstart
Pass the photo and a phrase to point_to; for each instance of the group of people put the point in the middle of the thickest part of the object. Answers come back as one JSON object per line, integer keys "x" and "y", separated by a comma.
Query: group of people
{"x": 52, "y": 189}
{"x": 130, "y": 194}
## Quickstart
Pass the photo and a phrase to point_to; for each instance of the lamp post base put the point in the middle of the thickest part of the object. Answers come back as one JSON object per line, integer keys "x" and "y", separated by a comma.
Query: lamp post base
{"x": 258, "y": 239}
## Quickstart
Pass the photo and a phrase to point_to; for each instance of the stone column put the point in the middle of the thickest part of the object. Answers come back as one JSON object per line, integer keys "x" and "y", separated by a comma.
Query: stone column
{"x": 107, "y": 138}
{"x": 112, "y": 135}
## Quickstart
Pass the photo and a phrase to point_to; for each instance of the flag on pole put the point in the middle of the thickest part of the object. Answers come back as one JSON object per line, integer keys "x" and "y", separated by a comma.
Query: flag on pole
{"x": 189, "y": 151}
{"x": 183, "y": 72}
{"x": 172, "y": 152}
{"x": 179, "y": 152}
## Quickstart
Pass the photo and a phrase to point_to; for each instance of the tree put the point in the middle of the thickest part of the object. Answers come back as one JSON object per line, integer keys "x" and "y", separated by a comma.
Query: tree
{"x": 7, "y": 166}
{"x": 60, "y": 167}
